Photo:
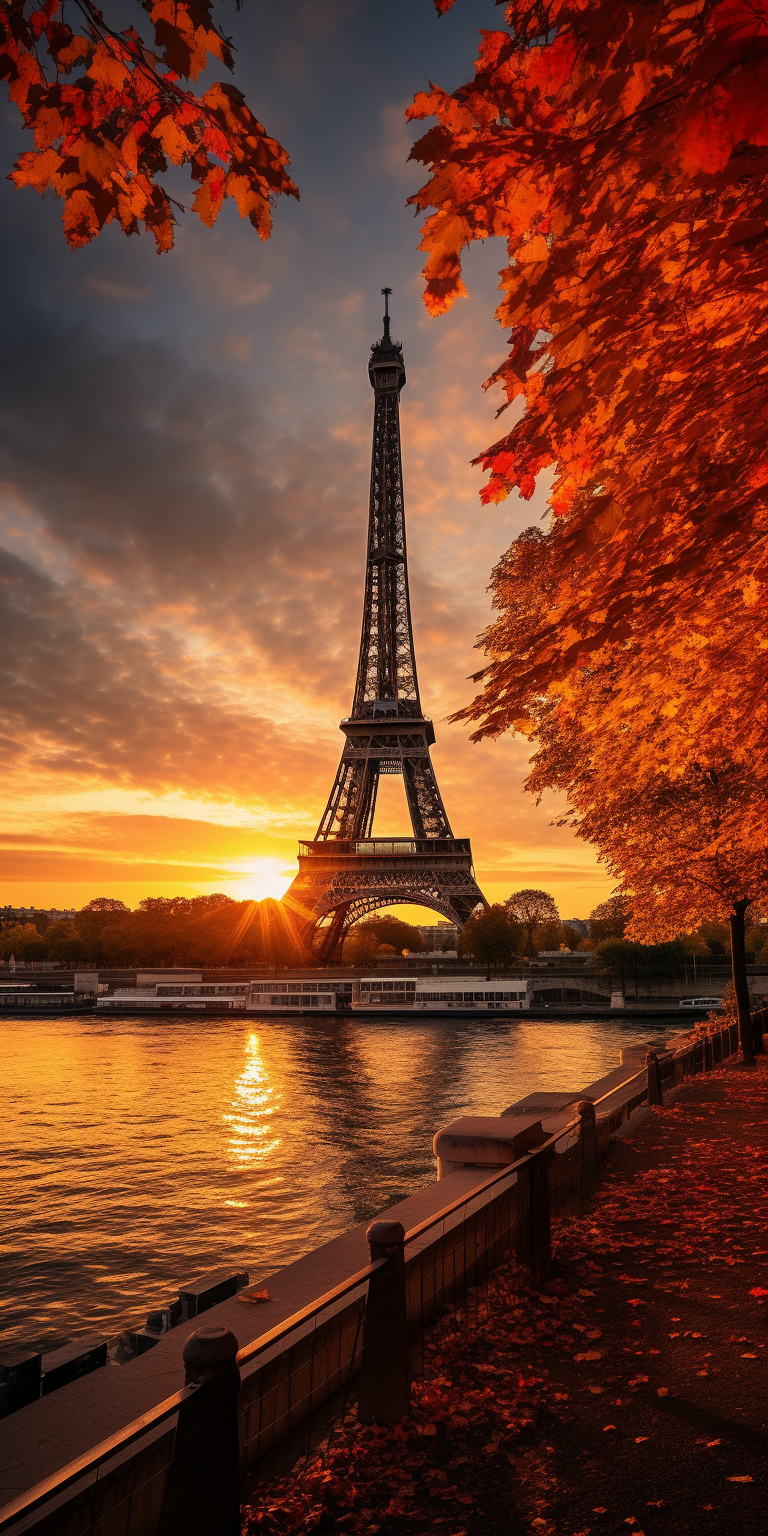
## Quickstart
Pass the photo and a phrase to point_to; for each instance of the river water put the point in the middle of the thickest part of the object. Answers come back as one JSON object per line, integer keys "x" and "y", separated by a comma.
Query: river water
{"x": 141, "y": 1153}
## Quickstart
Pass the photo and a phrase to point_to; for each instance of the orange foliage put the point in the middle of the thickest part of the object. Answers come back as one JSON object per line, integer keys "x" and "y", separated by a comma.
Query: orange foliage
{"x": 102, "y": 138}
{"x": 622, "y": 153}
{"x": 685, "y": 848}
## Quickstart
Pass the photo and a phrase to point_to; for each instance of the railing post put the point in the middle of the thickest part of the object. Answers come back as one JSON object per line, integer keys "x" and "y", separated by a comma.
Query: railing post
{"x": 385, "y": 1377}
{"x": 758, "y": 1020}
{"x": 202, "y": 1486}
{"x": 655, "y": 1095}
{"x": 534, "y": 1238}
{"x": 588, "y": 1141}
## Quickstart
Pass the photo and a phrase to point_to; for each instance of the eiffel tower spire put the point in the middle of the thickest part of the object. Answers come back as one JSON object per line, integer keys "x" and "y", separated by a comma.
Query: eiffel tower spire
{"x": 342, "y": 873}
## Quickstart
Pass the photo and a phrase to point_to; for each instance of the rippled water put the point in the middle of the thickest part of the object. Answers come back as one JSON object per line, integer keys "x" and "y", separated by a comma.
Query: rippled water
{"x": 141, "y": 1153}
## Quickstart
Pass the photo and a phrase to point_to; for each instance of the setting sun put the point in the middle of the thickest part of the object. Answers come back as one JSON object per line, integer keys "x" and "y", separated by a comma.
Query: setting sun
{"x": 262, "y": 877}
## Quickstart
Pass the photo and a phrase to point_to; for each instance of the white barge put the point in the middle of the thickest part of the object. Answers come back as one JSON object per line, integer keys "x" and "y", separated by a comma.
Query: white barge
{"x": 397, "y": 993}
{"x": 210, "y": 997}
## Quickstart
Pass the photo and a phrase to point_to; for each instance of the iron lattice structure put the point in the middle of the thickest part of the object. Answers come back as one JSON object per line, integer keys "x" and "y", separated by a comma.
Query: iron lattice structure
{"x": 345, "y": 872}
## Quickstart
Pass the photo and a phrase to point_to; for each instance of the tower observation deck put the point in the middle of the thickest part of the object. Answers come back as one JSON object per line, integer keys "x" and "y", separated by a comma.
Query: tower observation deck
{"x": 345, "y": 871}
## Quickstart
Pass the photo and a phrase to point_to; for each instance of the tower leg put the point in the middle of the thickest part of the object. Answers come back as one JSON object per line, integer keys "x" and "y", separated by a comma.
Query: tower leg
{"x": 332, "y": 937}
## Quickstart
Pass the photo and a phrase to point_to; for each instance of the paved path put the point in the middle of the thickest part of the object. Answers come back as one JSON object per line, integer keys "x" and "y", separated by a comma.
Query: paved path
{"x": 628, "y": 1396}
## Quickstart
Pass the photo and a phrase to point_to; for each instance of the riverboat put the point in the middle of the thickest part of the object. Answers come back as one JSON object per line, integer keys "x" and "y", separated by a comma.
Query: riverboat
{"x": 24, "y": 998}
{"x": 167, "y": 996}
{"x": 393, "y": 993}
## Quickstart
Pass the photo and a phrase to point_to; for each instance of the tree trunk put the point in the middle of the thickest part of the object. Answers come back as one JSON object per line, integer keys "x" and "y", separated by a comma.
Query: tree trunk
{"x": 739, "y": 971}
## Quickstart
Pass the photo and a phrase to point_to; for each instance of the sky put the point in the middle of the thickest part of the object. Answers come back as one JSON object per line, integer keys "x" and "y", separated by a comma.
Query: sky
{"x": 184, "y": 462}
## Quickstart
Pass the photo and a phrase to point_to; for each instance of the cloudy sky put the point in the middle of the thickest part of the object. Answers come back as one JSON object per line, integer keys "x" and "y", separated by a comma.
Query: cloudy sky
{"x": 183, "y": 498}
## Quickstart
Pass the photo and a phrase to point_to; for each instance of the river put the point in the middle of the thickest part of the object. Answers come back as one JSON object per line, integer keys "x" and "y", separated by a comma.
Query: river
{"x": 141, "y": 1153}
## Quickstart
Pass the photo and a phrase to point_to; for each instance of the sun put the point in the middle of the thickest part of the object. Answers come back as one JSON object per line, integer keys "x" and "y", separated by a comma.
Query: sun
{"x": 263, "y": 877}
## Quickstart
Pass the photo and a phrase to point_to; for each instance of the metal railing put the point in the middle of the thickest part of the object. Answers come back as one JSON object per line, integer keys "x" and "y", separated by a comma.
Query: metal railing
{"x": 310, "y": 1358}
{"x": 385, "y": 847}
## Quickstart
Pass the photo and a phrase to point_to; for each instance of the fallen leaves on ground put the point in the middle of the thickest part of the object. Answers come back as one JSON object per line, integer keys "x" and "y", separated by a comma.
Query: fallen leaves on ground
{"x": 487, "y": 1446}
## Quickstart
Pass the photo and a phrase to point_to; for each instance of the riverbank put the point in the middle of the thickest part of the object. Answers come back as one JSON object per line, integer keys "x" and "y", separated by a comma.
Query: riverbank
{"x": 626, "y": 1395}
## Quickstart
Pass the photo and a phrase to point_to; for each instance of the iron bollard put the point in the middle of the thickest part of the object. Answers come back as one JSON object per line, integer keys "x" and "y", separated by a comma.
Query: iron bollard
{"x": 588, "y": 1140}
{"x": 758, "y": 1021}
{"x": 202, "y": 1486}
{"x": 385, "y": 1375}
{"x": 534, "y": 1240}
{"x": 655, "y": 1095}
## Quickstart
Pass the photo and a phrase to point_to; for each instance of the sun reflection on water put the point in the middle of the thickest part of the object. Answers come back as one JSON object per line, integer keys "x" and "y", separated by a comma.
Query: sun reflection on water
{"x": 252, "y": 1139}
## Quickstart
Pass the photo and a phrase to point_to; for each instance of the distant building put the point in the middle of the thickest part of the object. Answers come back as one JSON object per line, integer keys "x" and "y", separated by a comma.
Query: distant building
{"x": 28, "y": 914}
{"x": 580, "y": 923}
{"x": 566, "y": 955}
{"x": 439, "y": 938}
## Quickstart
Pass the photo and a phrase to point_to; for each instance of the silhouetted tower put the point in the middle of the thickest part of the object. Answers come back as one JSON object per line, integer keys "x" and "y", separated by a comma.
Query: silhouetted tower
{"x": 344, "y": 872}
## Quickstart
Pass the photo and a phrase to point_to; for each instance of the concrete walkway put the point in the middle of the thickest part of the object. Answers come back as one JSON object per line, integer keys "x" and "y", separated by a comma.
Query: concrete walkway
{"x": 628, "y": 1395}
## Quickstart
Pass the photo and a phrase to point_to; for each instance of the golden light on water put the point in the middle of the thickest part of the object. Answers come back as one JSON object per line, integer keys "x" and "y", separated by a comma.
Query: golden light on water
{"x": 251, "y": 1138}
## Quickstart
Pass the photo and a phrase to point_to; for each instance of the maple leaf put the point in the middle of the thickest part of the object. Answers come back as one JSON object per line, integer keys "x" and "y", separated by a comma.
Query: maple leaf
{"x": 115, "y": 126}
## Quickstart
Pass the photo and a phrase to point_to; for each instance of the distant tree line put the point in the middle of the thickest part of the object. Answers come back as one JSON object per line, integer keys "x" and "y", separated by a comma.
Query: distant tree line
{"x": 212, "y": 931}
{"x": 528, "y": 922}
{"x": 206, "y": 931}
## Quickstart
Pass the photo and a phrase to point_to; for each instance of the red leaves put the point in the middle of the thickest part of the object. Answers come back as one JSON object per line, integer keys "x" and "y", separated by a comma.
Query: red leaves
{"x": 102, "y": 139}
{"x": 618, "y": 258}
{"x": 624, "y": 158}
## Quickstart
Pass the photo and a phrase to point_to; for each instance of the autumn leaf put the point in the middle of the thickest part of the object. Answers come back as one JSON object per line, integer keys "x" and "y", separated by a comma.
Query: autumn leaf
{"x": 106, "y": 66}
{"x": 36, "y": 170}
{"x": 173, "y": 139}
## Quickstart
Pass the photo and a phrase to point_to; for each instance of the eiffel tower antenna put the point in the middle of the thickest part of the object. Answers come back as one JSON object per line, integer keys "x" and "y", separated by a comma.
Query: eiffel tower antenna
{"x": 345, "y": 872}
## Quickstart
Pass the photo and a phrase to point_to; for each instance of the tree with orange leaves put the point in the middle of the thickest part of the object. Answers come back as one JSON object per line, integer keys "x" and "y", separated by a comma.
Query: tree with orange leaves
{"x": 687, "y": 844}
{"x": 109, "y": 113}
{"x": 686, "y": 848}
{"x": 622, "y": 153}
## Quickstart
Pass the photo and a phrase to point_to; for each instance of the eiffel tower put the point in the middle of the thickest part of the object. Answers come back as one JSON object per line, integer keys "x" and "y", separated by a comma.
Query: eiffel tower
{"x": 345, "y": 872}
